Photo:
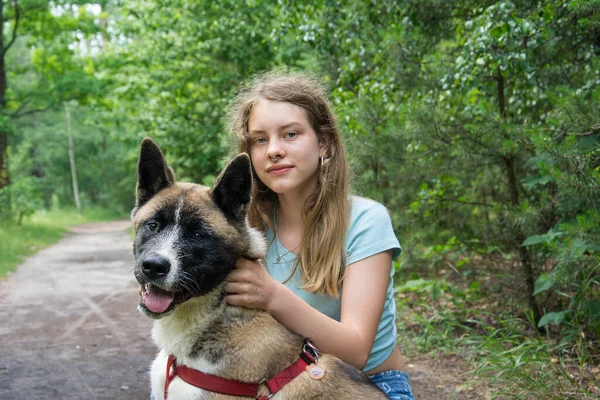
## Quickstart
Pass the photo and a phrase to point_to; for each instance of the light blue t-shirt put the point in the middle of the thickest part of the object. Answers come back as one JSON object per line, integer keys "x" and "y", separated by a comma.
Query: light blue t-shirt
{"x": 370, "y": 232}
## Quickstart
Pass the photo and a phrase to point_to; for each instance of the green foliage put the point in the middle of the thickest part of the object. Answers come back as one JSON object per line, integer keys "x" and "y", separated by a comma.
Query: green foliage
{"x": 555, "y": 317}
{"x": 105, "y": 167}
{"x": 544, "y": 238}
{"x": 544, "y": 283}
{"x": 46, "y": 55}
{"x": 43, "y": 67}
{"x": 184, "y": 61}
{"x": 567, "y": 161}
{"x": 25, "y": 195}
{"x": 436, "y": 309}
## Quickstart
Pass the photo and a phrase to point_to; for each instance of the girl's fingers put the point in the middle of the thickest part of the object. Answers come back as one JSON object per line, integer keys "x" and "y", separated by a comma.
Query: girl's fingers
{"x": 238, "y": 275}
{"x": 240, "y": 300}
{"x": 248, "y": 285}
{"x": 240, "y": 288}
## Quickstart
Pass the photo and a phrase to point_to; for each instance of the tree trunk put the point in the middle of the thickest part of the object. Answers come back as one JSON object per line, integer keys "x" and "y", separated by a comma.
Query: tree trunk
{"x": 4, "y": 177}
{"x": 501, "y": 98}
{"x": 513, "y": 189}
{"x": 72, "y": 160}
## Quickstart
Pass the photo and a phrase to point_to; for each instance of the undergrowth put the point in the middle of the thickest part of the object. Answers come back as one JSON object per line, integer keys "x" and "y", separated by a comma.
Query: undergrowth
{"x": 474, "y": 315}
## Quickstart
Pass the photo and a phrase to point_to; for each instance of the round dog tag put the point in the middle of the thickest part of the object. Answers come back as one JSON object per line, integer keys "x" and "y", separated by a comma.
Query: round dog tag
{"x": 315, "y": 372}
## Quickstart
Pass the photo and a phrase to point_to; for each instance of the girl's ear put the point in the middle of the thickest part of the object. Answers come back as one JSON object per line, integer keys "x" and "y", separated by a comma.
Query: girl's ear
{"x": 322, "y": 151}
{"x": 324, "y": 147}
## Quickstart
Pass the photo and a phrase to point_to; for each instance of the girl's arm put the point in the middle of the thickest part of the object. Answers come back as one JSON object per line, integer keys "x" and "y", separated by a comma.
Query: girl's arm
{"x": 363, "y": 296}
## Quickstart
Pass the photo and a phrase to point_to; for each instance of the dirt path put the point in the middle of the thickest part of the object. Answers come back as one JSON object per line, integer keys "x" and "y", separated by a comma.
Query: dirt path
{"x": 70, "y": 330}
{"x": 69, "y": 326}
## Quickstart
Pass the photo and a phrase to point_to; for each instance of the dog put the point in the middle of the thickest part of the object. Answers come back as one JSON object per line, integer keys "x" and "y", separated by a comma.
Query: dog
{"x": 187, "y": 239}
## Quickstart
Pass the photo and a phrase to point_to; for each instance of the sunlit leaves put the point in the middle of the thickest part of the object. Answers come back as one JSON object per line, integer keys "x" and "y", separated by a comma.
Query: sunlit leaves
{"x": 185, "y": 60}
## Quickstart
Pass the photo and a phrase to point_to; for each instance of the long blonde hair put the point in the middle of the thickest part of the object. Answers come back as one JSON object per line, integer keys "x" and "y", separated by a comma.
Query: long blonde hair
{"x": 326, "y": 212}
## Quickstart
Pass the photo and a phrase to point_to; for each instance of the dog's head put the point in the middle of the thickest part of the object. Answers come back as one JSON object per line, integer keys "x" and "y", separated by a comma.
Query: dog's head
{"x": 187, "y": 236}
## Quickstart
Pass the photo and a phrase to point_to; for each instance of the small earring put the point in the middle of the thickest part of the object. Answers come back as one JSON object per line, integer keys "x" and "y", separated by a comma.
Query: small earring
{"x": 322, "y": 161}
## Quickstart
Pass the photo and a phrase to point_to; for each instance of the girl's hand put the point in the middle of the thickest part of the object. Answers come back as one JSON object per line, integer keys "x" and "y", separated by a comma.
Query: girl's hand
{"x": 250, "y": 285}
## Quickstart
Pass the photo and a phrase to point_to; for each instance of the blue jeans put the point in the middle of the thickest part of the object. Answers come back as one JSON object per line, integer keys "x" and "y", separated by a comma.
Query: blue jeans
{"x": 394, "y": 383}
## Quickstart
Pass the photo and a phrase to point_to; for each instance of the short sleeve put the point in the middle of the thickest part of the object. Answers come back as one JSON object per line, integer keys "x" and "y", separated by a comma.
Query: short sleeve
{"x": 370, "y": 231}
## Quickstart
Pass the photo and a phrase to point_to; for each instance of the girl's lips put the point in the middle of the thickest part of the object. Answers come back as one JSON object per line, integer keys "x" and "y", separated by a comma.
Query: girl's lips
{"x": 279, "y": 171}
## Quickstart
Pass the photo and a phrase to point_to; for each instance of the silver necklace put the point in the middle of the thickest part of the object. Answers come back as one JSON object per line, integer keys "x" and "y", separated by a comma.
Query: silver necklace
{"x": 280, "y": 256}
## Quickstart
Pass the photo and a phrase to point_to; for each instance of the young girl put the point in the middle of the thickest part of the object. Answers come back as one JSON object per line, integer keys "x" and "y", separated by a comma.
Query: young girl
{"x": 329, "y": 261}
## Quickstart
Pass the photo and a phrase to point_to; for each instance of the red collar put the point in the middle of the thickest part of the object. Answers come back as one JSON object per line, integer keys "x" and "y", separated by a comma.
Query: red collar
{"x": 212, "y": 383}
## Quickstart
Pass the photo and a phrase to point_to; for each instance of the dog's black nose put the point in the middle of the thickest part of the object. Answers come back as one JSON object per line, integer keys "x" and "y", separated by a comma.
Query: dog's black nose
{"x": 156, "y": 267}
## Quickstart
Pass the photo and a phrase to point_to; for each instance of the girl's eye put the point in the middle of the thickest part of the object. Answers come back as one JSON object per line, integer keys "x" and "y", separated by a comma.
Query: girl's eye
{"x": 260, "y": 140}
{"x": 197, "y": 236}
{"x": 291, "y": 134}
{"x": 152, "y": 226}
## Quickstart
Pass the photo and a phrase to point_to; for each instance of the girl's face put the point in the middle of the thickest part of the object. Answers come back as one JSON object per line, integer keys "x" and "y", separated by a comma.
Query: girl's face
{"x": 284, "y": 149}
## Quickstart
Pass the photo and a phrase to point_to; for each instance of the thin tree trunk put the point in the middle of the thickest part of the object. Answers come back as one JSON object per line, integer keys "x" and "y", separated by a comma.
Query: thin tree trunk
{"x": 103, "y": 178}
{"x": 4, "y": 177}
{"x": 511, "y": 176}
{"x": 501, "y": 97}
{"x": 519, "y": 237}
{"x": 72, "y": 160}
{"x": 513, "y": 189}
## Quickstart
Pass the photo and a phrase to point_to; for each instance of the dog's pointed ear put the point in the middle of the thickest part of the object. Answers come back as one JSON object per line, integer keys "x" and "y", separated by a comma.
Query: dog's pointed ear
{"x": 232, "y": 189}
{"x": 153, "y": 172}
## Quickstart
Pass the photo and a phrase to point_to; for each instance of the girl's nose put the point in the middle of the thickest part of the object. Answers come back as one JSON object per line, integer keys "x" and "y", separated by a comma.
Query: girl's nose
{"x": 275, "y": 149}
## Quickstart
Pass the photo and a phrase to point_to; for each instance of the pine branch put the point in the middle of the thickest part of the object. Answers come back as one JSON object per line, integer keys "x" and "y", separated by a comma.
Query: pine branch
{"x": 561, "y": 134}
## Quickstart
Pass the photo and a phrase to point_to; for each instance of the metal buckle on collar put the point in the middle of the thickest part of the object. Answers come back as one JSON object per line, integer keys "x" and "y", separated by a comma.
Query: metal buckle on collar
{"x": 264, "y": 380}
{"x": 310, "y": 350}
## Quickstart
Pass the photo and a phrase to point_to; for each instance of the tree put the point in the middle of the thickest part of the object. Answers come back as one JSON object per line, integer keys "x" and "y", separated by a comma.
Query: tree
{"x": 440, "y": 100}
{"x": 43, "y": 67}
{"x": 183, "y": 61}
{"x": 5, "y": 45}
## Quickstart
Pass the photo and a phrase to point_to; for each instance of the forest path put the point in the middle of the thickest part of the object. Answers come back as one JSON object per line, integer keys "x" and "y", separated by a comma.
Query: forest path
{"x": 70, "y": 329}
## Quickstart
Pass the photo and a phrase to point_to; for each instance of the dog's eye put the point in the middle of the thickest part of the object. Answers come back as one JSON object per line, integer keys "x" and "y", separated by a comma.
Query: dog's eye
{"x": 197, "y": 235}
{"x": 152, "y": 226}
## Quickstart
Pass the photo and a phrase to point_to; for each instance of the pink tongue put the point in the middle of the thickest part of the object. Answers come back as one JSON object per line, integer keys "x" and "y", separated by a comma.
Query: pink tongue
{"x": 157, "y": 302}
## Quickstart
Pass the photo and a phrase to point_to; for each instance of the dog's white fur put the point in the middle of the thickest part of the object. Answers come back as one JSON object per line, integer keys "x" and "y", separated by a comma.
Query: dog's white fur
{"x": 178, "y": 335}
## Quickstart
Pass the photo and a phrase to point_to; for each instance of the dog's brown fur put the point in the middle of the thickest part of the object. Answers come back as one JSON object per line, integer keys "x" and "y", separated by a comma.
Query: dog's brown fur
{"x": 204, "y": 332}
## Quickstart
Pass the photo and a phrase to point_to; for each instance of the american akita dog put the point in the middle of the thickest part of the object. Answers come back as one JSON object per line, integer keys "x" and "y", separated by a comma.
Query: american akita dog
{"x": 187, "y": 239}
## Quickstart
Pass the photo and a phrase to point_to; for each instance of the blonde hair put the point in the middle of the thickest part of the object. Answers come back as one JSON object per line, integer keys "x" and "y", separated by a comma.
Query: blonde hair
{"x": 326, "y": 213}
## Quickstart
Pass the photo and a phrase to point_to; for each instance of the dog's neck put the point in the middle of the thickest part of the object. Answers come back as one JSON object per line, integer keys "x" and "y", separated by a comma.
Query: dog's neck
{"x": 196, "y": 315}
{"x": 204, "y": 333}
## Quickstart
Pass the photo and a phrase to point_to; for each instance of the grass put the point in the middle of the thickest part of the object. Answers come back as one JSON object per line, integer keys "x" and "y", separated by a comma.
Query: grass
{"x": 40, "y": 231}
{"x": 473, "y": 318}
{"x": 521, "y": 365}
